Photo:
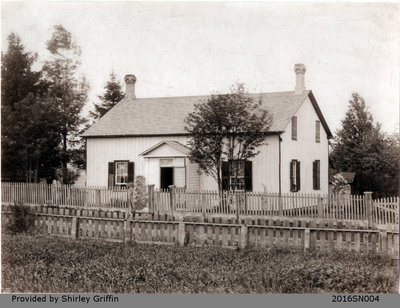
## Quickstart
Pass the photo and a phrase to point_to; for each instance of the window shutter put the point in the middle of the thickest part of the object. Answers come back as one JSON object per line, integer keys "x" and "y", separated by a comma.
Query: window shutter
{"x": 317, "y": 131}
{"x": 248, "y": 175}
{"x": 297, "y": 175}
{"x": 315, "y": 181}
{"x": 131, "y": 172}
{"x": 292, "y": 188}
{"x": 318, "y": 175}
{"x": 111, "y": 174}
{"x": 225, "y": 175}
{"x": 294, "y": 128}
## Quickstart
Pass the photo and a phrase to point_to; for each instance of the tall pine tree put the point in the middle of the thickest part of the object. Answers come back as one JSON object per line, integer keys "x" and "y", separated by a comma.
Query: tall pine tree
{"x": 113, "y": 94}
{"x": 68, "y": 90}
{"x": 29, "y": 145}
{"x": 359, "y": 146}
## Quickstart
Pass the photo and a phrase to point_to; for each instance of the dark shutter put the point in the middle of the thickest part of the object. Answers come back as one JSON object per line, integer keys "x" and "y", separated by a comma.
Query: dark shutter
{"x": 294, "y": 128}
{"x": 314, "y": 172}
{"x": 297, "y": 175}
{"x": 111, "y": 174}
{"x": 131, "y": 172}
{"x": 248, "y": 175}
{"x": 318, "y": 173}
{"x": 292, "y": 188}
{"x": 317, "y": 131}
{"x": 225, "y": 175}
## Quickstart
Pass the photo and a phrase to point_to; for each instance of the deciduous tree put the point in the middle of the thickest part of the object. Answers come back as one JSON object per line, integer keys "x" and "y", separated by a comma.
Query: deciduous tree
{"x": 226, "y": 127}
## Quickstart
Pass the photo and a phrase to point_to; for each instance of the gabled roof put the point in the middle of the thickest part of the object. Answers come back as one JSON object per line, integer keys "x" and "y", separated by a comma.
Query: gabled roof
{"x": 175, "y": 144}
{"x": 165, "y": 116}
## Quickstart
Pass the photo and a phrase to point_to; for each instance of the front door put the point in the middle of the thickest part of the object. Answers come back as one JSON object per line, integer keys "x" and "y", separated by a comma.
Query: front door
{"x": 167, "y": 177}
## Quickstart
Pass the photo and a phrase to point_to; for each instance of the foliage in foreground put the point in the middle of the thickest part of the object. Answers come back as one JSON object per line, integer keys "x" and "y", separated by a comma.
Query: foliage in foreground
{"x": 45, "y": 264}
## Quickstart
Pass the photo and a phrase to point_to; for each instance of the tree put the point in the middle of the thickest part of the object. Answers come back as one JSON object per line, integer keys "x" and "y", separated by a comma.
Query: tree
{"x": 29, "y": 146}
{"x": 359, "y": 147}
{"x": 113, "y": 94}
{"x": 67, "y": 89}
{"x": 227, "y": 127}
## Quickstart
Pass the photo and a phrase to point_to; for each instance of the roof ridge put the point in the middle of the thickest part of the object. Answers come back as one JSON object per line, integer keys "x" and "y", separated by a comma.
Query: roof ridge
{"x": 207, "y": 95}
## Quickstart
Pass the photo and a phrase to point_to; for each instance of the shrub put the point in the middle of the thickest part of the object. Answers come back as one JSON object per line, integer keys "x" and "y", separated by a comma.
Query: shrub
{"x": 20, "y": 220}
{"x": 140, "y": 193}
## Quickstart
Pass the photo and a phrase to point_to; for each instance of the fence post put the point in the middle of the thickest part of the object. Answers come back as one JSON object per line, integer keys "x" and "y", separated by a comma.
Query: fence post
{"x": 244, "y": 236}
{"x": 368, "y": 207}
{"x": 127, "y": 229}
{"x": 75, "y": 225}
{"x": 130, "y": 199}
{"x": 280, "y": 205}
{"x": 181, "y": 233}
{"x": 307, "y": 239}
{"x": 172, "y": 197}
{"x": 150, "y": 191}
{"x": 320, "y": 208}
{"x": 383, "y": 241}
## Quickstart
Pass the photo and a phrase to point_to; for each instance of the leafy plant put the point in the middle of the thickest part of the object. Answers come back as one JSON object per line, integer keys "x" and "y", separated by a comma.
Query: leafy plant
{"x": 140, "y": 193}
{"x": 20, "y": 220}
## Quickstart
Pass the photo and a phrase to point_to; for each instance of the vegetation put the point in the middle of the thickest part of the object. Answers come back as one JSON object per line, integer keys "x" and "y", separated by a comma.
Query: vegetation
{"x": 41, "y": 110}
{"x": 226, "y": 127}
{"x": 361, "y": 147}
{"x": 48, "y": 264}
{"x": 113, "y": 94}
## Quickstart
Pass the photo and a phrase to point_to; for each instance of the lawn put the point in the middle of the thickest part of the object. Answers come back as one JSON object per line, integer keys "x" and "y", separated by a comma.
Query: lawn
{"x": 49, "y": 264}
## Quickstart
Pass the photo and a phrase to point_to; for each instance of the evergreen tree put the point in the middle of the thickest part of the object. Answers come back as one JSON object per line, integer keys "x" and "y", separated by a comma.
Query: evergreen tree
{"x": 28, "y": 145}
{"x": 113, "y": 94}
{"x": 67, "y": 89}
{"x": 359, "y": 147}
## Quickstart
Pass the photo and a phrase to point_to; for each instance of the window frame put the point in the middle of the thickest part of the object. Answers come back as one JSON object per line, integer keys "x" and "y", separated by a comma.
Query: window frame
{"x": 317, "y": 131}
{"x": 294, "y": 128}
{"x": 241, "y": 177}
{"x": 295, "y": 175}
{"x": 116, "y": 172}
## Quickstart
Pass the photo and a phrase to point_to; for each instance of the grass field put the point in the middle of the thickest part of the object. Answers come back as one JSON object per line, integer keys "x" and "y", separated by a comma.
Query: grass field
{"x": 49, "y": 264}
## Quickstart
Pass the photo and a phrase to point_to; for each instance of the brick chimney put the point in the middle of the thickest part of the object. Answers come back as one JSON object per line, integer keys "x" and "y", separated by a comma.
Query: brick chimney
{"x": 300, "y": 70}
{"x": 130, "y": 81}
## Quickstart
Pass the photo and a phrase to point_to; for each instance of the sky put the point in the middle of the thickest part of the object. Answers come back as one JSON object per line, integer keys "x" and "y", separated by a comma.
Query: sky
{"x": 187, "y": 48}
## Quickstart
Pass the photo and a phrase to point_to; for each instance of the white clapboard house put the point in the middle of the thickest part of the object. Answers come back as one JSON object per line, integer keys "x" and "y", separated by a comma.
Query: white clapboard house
{"x": 146, "y": 136}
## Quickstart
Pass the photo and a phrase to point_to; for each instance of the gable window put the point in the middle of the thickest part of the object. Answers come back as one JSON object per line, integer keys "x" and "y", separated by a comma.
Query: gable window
{"x": 240, "y": 177}
{"x": 294, "y": 128}
{"x": 294, "y": 175}
{"x": 317, "y": 131}
{"x": 120, "y": 173}
{"x": 316, "y": 174}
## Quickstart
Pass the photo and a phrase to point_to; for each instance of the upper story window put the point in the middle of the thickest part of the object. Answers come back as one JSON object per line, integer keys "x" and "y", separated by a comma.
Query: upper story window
{"x": 294, "y": 128}
{"x": 317, "y": 131}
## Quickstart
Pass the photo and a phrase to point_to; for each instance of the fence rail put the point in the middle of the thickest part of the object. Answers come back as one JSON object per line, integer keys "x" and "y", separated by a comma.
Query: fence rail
{"x": 377, "y": 213}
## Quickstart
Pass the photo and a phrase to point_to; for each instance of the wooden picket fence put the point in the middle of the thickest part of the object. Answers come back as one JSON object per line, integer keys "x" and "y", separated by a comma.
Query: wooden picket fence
{"x": 378, "y": 213}
{"x": 122, "y": 226}
{"x": 80, "y": 196}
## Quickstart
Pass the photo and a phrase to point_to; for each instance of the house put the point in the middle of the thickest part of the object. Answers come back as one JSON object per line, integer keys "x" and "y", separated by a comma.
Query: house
{"x": 146, "y": 136}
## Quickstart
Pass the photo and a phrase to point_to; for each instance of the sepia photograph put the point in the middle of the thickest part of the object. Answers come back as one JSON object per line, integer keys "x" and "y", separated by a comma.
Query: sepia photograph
{"x": 199, "y": 148}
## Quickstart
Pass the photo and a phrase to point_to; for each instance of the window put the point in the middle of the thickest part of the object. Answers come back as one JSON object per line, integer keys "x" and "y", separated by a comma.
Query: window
{"x": 237, "y": 175}
{"x": 294, "y": 175}
{"x": 317, "y": 131}
{"x": 316, "y": 174}
{"x": 240, "y": 177}
{"x": 120, "y": 173}
{"x": 294, "y": 128}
